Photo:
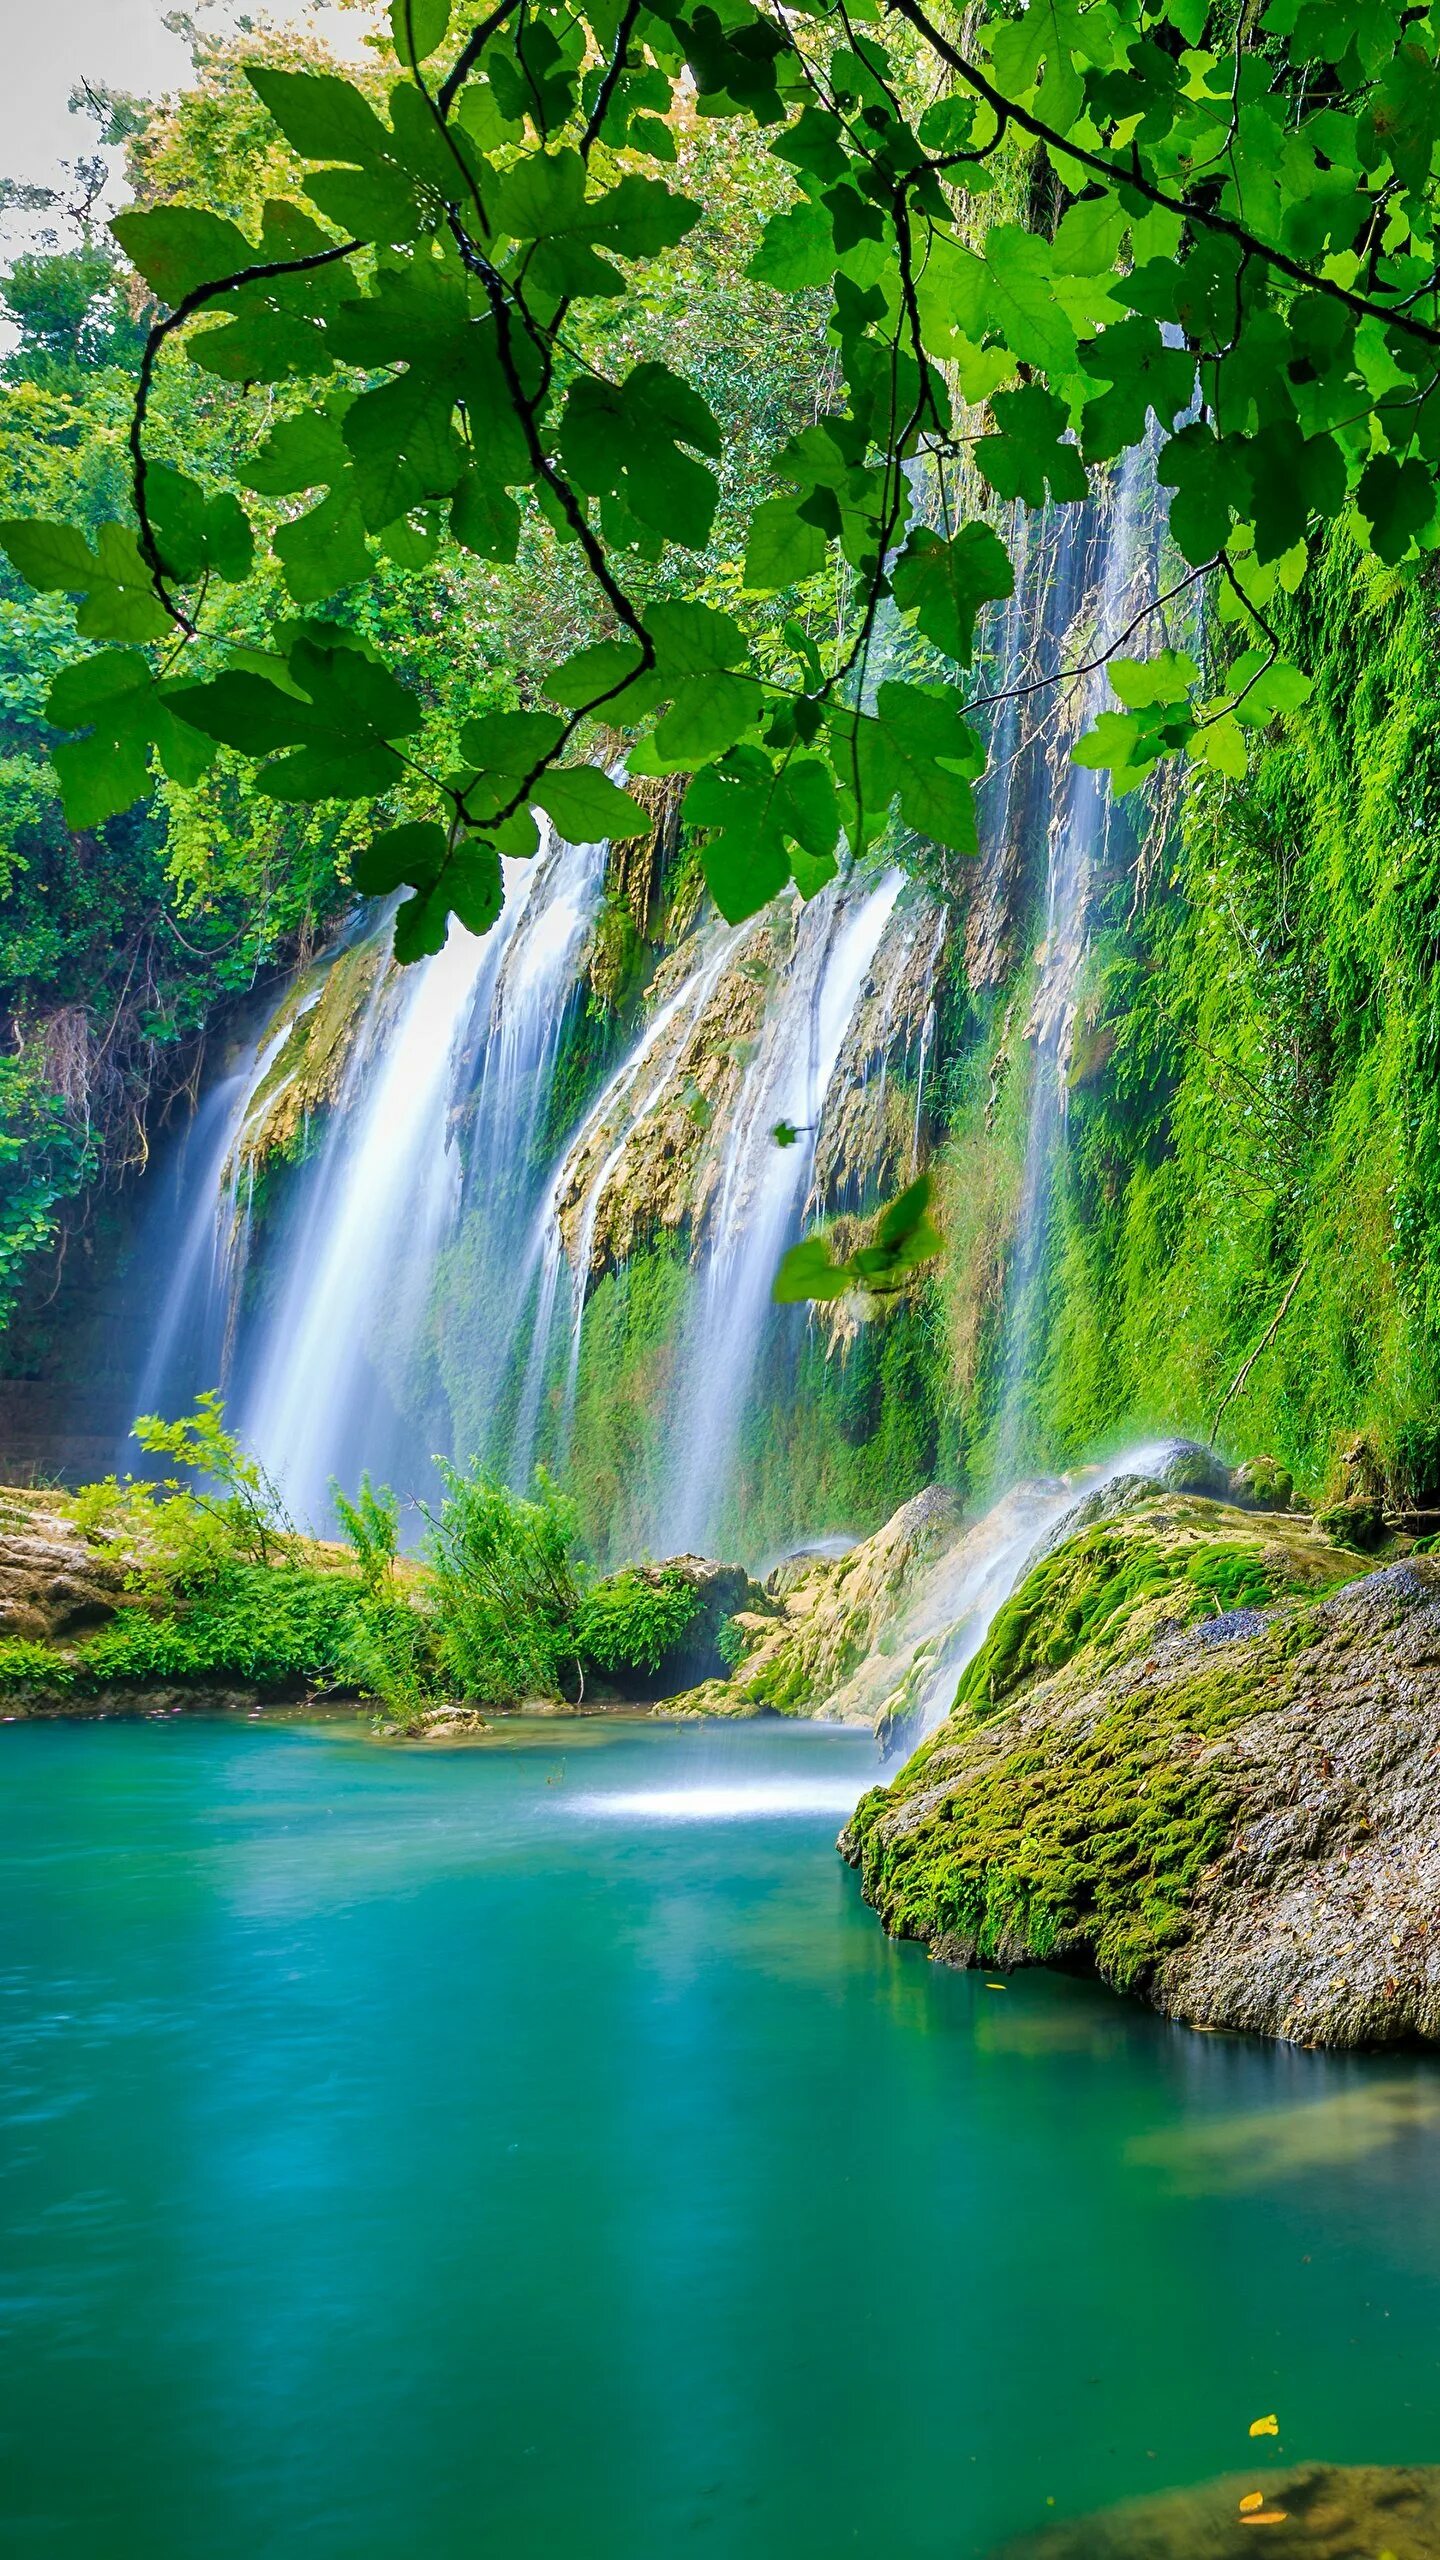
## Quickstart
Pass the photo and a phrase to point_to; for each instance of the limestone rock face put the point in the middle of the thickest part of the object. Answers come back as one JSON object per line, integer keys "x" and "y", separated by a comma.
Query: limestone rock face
{"x": 654, "y": 1157}
{"x": 1188, "y": 1759}
{"x": 845, "y": 1627}
{"x": 1331, "y": 2512}
{"x": 313, "y": 1038}
{"x": 53, "y": 1584}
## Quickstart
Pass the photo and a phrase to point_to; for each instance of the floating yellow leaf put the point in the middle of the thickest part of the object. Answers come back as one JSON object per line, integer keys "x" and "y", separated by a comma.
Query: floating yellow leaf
{"x": 1268, "y": 2515}
{"x": 1255, "y": 2499}
{"x": 1265, "y": 2426}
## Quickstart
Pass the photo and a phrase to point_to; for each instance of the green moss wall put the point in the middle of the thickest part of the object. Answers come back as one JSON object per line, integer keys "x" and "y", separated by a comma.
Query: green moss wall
{"x": 1255, "y": 1092}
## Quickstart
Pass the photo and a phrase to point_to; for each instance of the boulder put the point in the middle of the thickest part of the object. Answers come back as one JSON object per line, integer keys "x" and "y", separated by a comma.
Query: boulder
{"x": 1186, "y": 1759}
{"x": 1187, "y": 1468}
{"x": 53, "y": 1584}
{"x": 844, "y": 1629}
{"x": 1262, "y": 1484}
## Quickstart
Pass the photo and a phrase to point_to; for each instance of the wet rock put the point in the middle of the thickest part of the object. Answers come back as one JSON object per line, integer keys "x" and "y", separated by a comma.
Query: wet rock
{"x": 845, "y": 1627}
{"x": 1262, "y": 1484}
{"x": 1230, "y": 1810}
{"x": 1330, "y": 2513}
{"x": 53, "y": 1584}
{"x": 1187, "y": 1468}
{"x": 1358, "y": 1521}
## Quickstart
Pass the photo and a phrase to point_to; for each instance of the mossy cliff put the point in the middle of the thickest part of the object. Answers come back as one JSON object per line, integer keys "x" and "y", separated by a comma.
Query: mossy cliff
{"x": 1196, "y": 1753}
{"x": 1254, "y": 1095}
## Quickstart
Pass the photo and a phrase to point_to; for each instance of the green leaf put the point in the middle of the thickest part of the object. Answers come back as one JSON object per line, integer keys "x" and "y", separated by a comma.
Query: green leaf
{"x": 338, "y": 720}
{"x": 511, "y": 743}
{"x": 403, "y": 447}
{"x": 177, "y": 247}
{"x": 690, "y": 639}
{"x": 809, "y": 1272}
{"x": 1027, "y": 455}
{"x": 926, "y": 755}
{"x": 1398, "y": 500}
{"x": 50, "y": 557}
{"x": 323, "y": 116}
{"x": 607, "y": 672}
{"x": 418, "y": 28}
{"x": 624, "y": 439}
{"x": 762, "y": 810}
{"x": 709, "y": 713}
{"x": 470, "y": 885}
{"x": 197, "y": 536}
{"x": 542, "y": 198}
{"x": 485, "y": 518}
{"x": 1142, "y": 682}
{"x": 1008, "y": 293}
{"x": 410, "y": 856}
{"x": 325, "y": 549}
{"x": 784, "y": 547}
{"x": 946, "y": 584}
{"x": 119, "y": 599}
{"x": 586, "y": 806}
{"x": 797, "y": 250}
{"x": 114, "y": 695}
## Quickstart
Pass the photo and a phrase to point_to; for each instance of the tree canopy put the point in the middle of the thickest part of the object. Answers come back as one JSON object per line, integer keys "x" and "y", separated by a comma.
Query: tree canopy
{"x": 1031, "y": 238}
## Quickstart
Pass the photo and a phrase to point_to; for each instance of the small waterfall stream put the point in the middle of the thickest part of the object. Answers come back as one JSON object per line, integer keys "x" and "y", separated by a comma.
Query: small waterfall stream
{"x": 1104, "y": 558}
{"x": 762, "y": 1191}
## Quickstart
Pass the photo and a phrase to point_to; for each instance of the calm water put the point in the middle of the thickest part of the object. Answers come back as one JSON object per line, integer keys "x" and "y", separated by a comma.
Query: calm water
{"x": 537, "y": 2150}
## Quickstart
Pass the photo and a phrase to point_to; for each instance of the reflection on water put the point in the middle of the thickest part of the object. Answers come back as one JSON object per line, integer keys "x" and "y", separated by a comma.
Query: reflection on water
{"x": 535, "y": 2149}
{"x": 1327, "y": 2132}
{"x": 755, "y": 1800}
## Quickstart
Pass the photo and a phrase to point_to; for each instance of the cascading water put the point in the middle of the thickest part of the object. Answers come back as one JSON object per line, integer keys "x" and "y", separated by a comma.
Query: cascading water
{"x": 1111, "y": 559}
{"x": 204, "y": 1246}
{"x": 625, "y": 1102}
{"x": 954, "y": 1612}
{"x": 335, "y": 1382}
{"x": 763, "y": 1186}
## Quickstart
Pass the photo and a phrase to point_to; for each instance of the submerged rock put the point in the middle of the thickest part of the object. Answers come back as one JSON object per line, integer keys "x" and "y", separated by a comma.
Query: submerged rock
{"x": 1184, "y": 1758}
{"x": 1331, "y": 2512}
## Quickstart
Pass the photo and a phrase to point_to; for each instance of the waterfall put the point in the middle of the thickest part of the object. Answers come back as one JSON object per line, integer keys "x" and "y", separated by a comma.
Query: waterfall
{"x": 333, "y": 1380}
{"x": 1111, "y": 558}
{"x": 971, "y": 1586}
{"x": 762, "y": 1191}
{"x": 203, "y": 1246}
{"x": 627, "y": 1099}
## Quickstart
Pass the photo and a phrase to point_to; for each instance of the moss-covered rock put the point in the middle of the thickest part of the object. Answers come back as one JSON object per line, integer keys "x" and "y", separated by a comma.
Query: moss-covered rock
{"x": 652, "y": 1629}
{"x": 1187, "y": 1759}
{"x": 1332, "y": 2512}
{"x": 843, "y": 1629}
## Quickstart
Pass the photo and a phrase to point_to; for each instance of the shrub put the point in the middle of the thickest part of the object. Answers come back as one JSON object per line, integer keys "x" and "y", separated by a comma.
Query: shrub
{"x": 277, "y": 1628}
{"x": 507, "y": 1588}
{"x": 634, "y": 1619}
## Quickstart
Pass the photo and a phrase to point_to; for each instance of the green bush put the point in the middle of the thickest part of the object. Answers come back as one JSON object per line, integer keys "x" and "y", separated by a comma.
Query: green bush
{"x": 24, "y": 1664}
{"x": 631, "y": 1621}
{"x": 275, "y": 1626}
{"x": 507, "y": 1591}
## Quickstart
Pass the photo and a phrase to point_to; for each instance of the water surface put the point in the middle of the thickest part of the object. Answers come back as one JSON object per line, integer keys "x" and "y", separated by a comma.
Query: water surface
{"x": 536, "y": 2149}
